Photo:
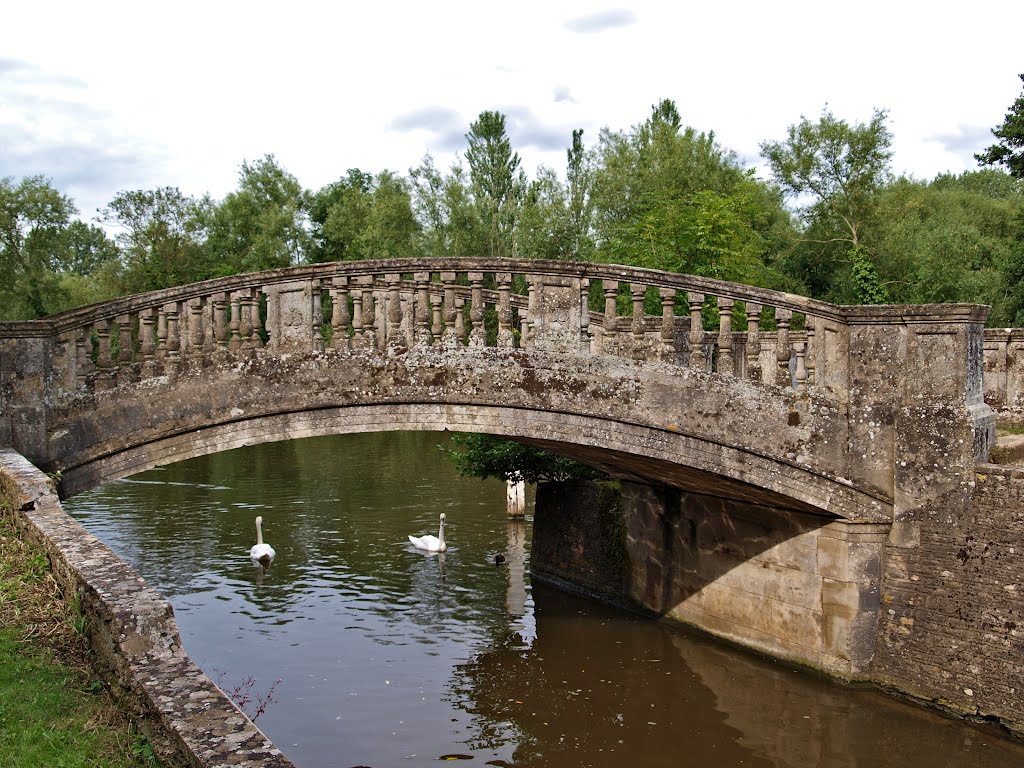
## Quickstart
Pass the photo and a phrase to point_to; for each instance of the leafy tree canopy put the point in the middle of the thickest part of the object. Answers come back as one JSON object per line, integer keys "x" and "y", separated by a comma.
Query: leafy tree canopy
{"x": 1009, "y": 150}
{"x": 486, "y": 456}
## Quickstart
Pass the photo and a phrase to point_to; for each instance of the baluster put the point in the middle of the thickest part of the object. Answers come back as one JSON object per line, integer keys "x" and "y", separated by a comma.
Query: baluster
{"x": 424, "y": 335}
{"x": 801, "y": 368}
{"x": 235, "y": 323}
{"x": 668, "y": 323}
{"x": 147, "y": 341}
{"x": 529, "y": 326}
{"x": 245, "y": 324}
{"x": 357, "y": 319}
{"x": 586, "y": 339}
{"x": 317, "y": 321}
{"x": 161, "y": 335}
{"x": 394, "y": 311}
{"x": 782, "y": 350}
{"x": 698, "y": 361}
{"x": 104, "y": 362}
{"x": 83, "y": 354}
{"x": 339, "y": 313}
{"x": 221, "y": 327}
{"x": 172, "y": 356}
{"x": 610, "y": 330}
{"x": 436, "y": 328}
{"x": 258, "y": 330}
{"x": 477, "y": 334}
{"x": 637, "y": 292}
{"x": 451, "y": 337}
{"x": 505, "y": 335}
{"x": 726, "y": 363}
{"x": 809, "y": 323}
{"x": 460, "y": 319}
{"x": 125, "y": 352}
{"x": 753, "y": 341}
{"x": 368, "y": 338}
{"x": 195, "y": 327}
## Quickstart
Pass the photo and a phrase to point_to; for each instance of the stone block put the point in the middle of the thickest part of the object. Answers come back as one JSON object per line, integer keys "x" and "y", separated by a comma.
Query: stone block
{"x": 833, "y": 558}
{"x": 737, "y": 606}
{"x": 796, "y": 626}
{"x": 793, "y": 587}
{"x": 840, "y": 598}
{"x": 800, "y": 553}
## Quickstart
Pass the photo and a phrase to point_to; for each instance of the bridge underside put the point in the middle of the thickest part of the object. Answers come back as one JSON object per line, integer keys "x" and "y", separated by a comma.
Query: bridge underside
{"x": 634, "y": 421}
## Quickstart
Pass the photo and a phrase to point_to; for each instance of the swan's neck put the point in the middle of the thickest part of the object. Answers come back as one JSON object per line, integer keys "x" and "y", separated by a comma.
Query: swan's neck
{"x": 440, "y": 533}
{"x": 259, "y": 533}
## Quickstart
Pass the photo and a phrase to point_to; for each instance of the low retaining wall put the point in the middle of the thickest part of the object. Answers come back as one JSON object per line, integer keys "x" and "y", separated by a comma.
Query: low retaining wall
{"x": 134, "y": 638}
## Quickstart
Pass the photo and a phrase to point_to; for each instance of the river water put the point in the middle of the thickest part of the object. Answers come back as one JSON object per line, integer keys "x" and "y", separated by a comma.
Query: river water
{"x": 374, "y": 654}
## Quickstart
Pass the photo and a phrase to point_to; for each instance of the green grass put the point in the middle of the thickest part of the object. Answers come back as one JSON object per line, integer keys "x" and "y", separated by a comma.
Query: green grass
{"x": 53, "y": 713}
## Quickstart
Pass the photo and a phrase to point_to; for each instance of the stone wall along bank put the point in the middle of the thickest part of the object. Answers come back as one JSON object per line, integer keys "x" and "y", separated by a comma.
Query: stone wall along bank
{"x": 134, "y": 638}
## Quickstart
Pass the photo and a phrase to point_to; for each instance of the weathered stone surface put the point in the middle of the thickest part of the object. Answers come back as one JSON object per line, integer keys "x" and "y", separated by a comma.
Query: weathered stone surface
{"x": 950, "y": 625}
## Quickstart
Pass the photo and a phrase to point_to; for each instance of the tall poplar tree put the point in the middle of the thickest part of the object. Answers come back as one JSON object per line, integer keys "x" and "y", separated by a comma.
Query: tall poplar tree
{"x": 497, "y": 181}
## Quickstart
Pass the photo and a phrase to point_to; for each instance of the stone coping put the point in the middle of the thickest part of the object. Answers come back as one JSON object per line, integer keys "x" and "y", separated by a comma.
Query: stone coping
{"x": 134, "y": 638}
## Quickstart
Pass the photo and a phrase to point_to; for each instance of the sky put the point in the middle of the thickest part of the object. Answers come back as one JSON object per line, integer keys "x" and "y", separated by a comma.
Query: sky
{"x": 101, "y": 97}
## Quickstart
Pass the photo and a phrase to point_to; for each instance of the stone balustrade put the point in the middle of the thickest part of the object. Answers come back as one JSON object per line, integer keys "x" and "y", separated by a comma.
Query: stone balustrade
{"x": 565, "y": 307}
{"x": 1004, "y": 371}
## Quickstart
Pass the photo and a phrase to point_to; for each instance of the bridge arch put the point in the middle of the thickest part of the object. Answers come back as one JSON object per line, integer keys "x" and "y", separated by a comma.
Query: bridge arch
{"x": 809, "y": 405}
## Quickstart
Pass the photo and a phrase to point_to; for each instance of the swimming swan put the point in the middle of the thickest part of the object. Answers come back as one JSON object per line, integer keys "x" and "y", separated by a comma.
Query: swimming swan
{"x": 261, "y": 553}
{"x": 431, "y": 543}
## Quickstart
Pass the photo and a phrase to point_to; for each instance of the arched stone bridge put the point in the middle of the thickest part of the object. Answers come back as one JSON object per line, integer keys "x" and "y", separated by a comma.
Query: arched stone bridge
{"x": 845, "y": 411}
{"x": 784, "y": 407}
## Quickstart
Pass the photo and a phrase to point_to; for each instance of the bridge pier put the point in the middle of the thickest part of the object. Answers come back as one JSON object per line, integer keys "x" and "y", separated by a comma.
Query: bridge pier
{"x": 798, "y": 586}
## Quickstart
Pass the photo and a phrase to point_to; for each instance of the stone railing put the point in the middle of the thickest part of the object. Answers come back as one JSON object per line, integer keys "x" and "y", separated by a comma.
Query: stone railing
{"x": 392, "y": 305}
{"x": 1004, "y": 371}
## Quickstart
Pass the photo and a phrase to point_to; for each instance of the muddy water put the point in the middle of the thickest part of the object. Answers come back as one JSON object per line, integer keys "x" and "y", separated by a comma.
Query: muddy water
{"x": 374, "y": 654}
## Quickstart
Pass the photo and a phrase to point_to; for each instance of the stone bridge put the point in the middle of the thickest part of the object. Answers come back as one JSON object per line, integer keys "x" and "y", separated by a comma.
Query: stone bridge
{"x": 771, "y": 447}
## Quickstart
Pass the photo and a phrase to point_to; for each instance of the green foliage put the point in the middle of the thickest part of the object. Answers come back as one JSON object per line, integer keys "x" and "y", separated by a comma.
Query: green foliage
{"x": 486, "y": 456}
{"x": 865, "y": 278}
{"x": 362, "y": 217}
{"x": 162, "y": 236}
{"x": 262, "y": 225}
{"x": 45, "y": 253}
{"x": 671, "y": 198}
{"x": 497, "y": 182}
{"x": 834, "y": 172}
{"x": 1009, "y": 150}
{"x": 450, "y": 223}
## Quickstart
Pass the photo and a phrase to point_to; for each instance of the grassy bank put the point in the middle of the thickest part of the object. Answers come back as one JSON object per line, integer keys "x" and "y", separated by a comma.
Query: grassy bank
{"x": 53, "y": 712}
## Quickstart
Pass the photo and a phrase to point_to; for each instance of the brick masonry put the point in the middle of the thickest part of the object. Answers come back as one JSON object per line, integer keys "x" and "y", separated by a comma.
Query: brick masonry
{"x": 950, "y": 629}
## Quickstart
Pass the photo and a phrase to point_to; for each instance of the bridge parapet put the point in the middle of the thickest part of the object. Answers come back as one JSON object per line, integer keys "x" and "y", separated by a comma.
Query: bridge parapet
{"x": 554, "y": 306}
{"x": 906, "y": 380}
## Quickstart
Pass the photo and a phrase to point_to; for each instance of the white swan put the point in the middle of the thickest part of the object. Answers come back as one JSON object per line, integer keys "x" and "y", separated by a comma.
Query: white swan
{"x": 431, "y": 543}
{"x": 261, "y": 553}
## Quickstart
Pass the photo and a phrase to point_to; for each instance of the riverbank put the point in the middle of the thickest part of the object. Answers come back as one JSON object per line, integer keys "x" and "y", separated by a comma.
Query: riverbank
{"x": 53, "y": 708}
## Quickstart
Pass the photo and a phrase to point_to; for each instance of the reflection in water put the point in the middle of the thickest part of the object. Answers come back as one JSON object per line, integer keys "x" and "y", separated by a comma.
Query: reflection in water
{"x": 391, "y": 656}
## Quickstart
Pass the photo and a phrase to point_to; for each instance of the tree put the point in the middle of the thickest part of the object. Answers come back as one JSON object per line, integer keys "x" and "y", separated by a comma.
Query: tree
{"x": 497, "y": 187}
{"x": 835, "y": 170}
{"x": 449, "y": 219}
{"x": 163, "y": 235}
{"x": 362, "y": 217}
{"x": 49, "y": 260}
{"x": 669, "y": 197}
{"x": 486, "y": 456}
{"x": 262, "y": 225}
{"x": 1009, "y": 150}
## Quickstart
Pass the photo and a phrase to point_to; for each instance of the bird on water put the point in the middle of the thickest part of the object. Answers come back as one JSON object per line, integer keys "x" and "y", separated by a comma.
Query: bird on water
{"x": 431, "y": 543}
{"x": 261, "y": 553}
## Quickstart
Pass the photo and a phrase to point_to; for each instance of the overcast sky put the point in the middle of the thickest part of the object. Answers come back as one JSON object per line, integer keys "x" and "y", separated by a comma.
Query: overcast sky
{"x": 106, "y": 96}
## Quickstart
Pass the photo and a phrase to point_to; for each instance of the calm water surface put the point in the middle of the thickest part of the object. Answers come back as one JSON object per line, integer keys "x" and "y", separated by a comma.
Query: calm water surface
{"x": 388, "y": 657}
